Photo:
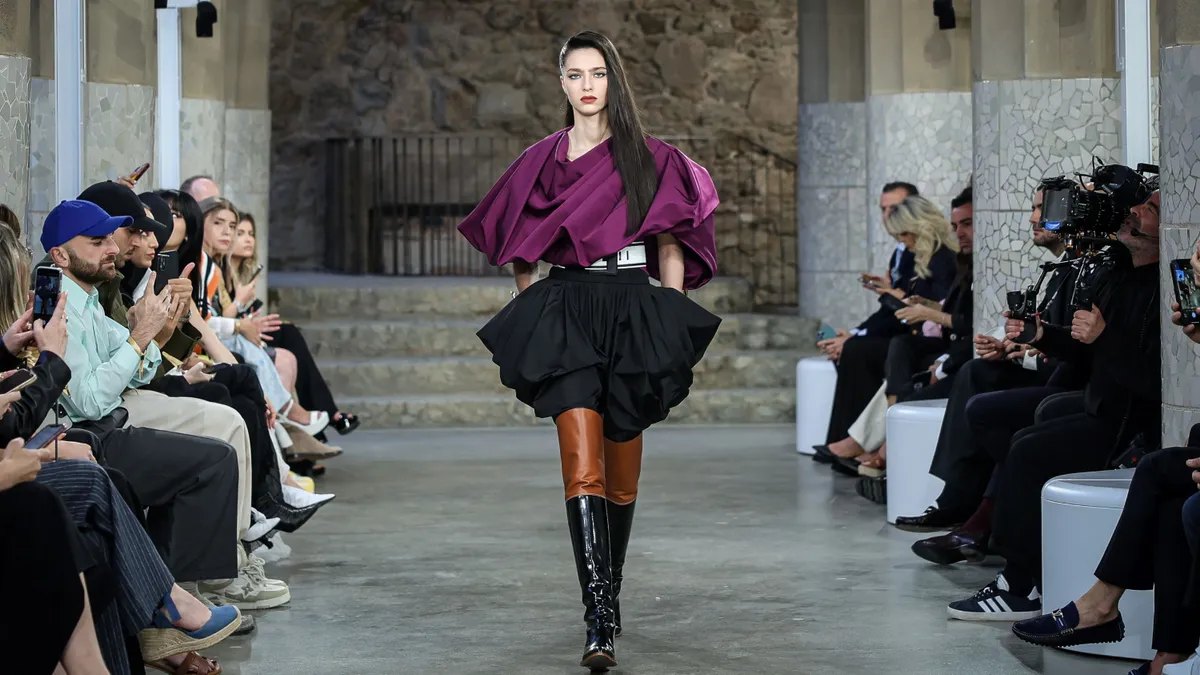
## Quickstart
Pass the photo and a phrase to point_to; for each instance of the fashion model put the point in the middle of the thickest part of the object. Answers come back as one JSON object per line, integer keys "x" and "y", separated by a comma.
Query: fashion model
{"x": 596, "y": 346}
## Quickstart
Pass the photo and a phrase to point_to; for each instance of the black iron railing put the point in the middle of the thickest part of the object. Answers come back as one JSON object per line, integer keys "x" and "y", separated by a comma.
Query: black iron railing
{"x": 393, "y": 206}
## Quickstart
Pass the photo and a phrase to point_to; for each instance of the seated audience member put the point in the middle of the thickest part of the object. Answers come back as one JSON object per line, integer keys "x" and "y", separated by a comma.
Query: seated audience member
{"x": 38, "y": 543}
{"x": 920, "y": 226}
{"x": 7, "y": 217}
{"x": 882, "y": 323}
{"x": 994, "y": 397}
{"x": 1119, "y": 339}
{"x": 245, "y": 336}
{"x": 200, "y": 188}
{"x": 231, "y": 385}
{"x": 146, "y": 406}
{"x": 1148, "y": 550}
{"x": 189, "y": 483}
{"x": 934, "y": 349}
{"x": 294, "y": 361}
{"x": 114, "y": 542}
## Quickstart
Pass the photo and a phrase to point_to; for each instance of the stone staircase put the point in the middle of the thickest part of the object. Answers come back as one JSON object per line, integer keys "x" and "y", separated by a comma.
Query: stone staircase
{"x": 402, "y": 352}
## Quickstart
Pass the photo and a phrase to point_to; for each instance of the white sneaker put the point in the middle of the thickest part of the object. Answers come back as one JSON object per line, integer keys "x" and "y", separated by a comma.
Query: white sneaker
{"x": 260, "y": 526}
{"x": 299, "y": 498}
{"x": 251, "y": 590}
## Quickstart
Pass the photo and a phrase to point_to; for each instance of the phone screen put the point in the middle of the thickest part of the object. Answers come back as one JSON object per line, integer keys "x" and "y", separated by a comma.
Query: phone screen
{"x": 16, "y": 380}
{"x": 46, "y": 288}
{"x": 1186, "y": 293}
{"x": 42, "y": 438}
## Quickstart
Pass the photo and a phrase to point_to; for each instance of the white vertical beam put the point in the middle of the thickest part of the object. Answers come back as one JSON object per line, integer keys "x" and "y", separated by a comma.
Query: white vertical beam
{"x": 1133, "y": 60}
{"x": 170, "y": 90}
{"x": 69, "y": 76}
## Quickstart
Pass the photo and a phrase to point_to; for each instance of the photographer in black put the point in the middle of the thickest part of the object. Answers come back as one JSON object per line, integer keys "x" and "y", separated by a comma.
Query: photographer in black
{"x": 961, "y": 460}
{"x": 1118, "y": 339}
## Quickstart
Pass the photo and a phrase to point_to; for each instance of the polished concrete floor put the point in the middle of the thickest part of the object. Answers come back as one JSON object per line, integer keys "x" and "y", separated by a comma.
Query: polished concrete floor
{"x": 447, "y": 552}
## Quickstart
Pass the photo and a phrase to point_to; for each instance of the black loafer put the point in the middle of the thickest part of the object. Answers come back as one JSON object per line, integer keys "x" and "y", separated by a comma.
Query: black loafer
{"x": 933, "y": 520}
{"x": 1059, "y": 629}
{"x": 947, "y": 549}
{"x": 823, "y": 455}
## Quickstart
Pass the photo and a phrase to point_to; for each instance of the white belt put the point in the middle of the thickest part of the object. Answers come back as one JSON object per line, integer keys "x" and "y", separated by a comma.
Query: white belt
{"x": 630, "y": 257}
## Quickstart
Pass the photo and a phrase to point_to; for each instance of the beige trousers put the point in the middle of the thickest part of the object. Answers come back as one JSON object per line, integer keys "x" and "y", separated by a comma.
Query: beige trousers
{"x": 152, "y": 410}
{"x": 870, "y": 429}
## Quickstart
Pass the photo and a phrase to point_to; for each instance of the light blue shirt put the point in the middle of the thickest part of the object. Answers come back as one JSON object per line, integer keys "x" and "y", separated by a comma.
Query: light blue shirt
{"x": 103, "y": 362}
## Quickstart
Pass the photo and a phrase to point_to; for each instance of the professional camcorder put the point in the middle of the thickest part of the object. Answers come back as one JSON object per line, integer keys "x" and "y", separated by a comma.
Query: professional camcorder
{"x": 1087, "y": 220}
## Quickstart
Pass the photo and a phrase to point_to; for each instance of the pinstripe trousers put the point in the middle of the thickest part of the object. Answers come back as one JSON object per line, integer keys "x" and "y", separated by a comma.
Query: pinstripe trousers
{"x": 118, "y": 547}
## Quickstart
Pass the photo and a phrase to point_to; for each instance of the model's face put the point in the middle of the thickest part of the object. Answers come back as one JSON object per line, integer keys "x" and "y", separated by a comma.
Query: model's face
{"x": 243, "y": 240}
{"x": 585, "y": 81}
{"x": 962, "y": 220}
{"x": 218, "y": 231}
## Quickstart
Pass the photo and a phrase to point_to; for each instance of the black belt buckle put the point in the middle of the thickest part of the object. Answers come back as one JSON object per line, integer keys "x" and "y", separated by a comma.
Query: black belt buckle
{"x": 610, "y": 265}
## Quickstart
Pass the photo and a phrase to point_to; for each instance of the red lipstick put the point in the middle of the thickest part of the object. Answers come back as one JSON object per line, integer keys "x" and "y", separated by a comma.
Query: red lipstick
{"x": 588, "y": 99}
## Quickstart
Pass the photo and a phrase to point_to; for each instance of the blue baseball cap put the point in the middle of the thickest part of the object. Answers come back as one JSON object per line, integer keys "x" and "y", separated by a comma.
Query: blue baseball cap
{"x": 76, "y": 218}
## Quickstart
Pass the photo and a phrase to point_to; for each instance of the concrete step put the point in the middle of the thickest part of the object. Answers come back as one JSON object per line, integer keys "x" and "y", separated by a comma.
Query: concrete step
{"x": 711, "y": 406}
{"x": 302, "y": 296}
{"x": 719, "y": 369}
{"x": 440, "y": 336}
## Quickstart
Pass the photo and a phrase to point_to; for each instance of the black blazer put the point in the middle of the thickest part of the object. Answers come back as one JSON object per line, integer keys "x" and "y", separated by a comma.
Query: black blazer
{"x": 943, "y": 268}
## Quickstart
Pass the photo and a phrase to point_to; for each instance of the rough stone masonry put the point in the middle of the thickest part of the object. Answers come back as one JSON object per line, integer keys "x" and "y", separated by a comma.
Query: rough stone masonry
{"x": 389, "y": 67}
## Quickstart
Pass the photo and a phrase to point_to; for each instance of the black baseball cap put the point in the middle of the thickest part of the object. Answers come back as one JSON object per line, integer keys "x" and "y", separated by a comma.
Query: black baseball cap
{"x": 162, "y": 214}
{"x": 119, "y": 200}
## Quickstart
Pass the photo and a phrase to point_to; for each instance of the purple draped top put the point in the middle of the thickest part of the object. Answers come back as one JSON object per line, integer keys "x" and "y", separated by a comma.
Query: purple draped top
{"x": 568, "y": 213}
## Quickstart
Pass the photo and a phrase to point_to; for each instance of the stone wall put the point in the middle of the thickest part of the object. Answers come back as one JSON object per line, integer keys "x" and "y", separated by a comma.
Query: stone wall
{"x": 14, "y": 131}
{"x": 390, "y": 67}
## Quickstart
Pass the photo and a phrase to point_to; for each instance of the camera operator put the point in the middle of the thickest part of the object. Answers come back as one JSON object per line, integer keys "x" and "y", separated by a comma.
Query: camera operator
{"x": 962, "y": 463}
{"x": 1119, "y": 340}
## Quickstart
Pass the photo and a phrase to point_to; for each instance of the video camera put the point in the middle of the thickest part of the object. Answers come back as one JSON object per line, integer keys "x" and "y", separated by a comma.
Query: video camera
{"x": 1088, "y": 221}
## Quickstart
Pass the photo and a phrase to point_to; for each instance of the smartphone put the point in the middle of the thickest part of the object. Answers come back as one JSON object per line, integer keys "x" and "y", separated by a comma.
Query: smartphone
{"x": 254, "y": 307}
{"x": 166, "y": 267}
{"x": 46, "y": 436}
{"x": 892, "y": 302}
{"x": 254, "y": 276}
{"x": 47, "y": 286}
{"x": 1186, "y": 293}
{"x": 138, "y": 173}
{"x": 826, "y": 332}
{"x": 17, "y": 381}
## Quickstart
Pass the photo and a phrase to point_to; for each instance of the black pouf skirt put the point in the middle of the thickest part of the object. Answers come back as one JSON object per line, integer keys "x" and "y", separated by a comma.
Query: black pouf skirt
{"x": 612, "y": 343}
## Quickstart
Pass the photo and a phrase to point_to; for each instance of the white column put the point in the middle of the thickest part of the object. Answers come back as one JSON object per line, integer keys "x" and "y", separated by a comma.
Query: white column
{"x": 69, "y": 76}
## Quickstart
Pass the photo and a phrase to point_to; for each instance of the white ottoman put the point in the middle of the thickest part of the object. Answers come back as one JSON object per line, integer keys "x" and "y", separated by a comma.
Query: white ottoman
{"x": 1079, "y": 513}
{"x": 912, "y": 435}
{"x": 816, "y": 378}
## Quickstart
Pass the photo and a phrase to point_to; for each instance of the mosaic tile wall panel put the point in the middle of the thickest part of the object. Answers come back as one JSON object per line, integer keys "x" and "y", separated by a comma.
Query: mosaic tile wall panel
{"x": 921, "y": 138}
{"x": 202, "y": 139}
{"x": 14, "y": 132}
{"x": 1026, "y": 130}
{"x": 831, "y": 208}
{"x": 119, "y": 131}
{"x": 41, "y": 159}
{"x": 247, "y": 174}
{"x": 1179, "y": 117}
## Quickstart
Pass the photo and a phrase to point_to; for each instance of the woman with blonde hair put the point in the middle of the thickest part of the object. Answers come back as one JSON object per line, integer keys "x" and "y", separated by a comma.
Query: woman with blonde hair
{"x": 920, "y": 225}
{"x": 293, "y": 358}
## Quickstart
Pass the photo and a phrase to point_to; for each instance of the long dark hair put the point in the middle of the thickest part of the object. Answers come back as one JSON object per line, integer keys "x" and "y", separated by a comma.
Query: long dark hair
{"x": 189, "y": 251}
{"x": 635, "y": 162}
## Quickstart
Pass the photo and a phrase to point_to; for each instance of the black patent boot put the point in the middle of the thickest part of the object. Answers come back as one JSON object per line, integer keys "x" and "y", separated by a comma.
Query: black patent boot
{"x": 620, "y": 522}
{"x": 588, "y": 519}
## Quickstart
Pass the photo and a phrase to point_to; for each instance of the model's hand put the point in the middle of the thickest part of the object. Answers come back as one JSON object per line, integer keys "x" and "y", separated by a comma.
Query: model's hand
{"x": 989, "y": 348}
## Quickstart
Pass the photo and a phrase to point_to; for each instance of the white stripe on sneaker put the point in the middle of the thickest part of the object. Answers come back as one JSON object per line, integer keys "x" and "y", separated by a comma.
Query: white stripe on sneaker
{"x": 1001, "y": 603}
